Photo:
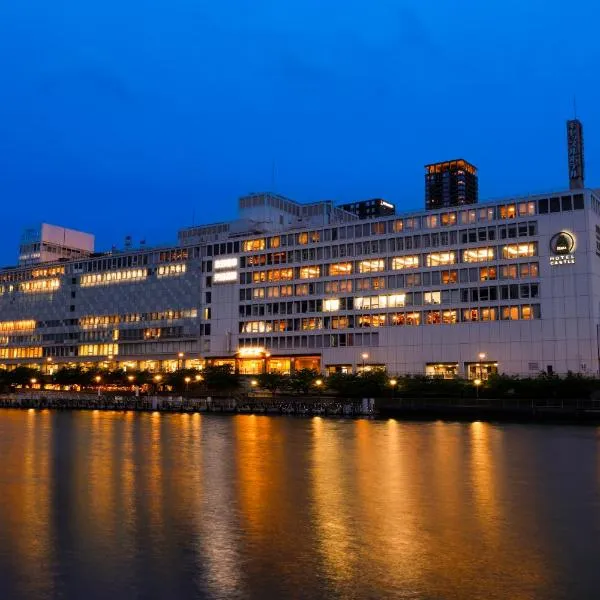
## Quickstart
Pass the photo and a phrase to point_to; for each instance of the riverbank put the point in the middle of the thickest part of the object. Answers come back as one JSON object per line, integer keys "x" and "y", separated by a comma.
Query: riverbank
{"x": 485, "y": 409}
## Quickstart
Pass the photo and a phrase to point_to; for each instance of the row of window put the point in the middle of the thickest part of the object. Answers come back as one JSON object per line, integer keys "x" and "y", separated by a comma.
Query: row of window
{"x": 334, "y": 340}
{"x": 449, "y": 316}
{"x": 444, "y": 277}
{"x": 453, "y": 238}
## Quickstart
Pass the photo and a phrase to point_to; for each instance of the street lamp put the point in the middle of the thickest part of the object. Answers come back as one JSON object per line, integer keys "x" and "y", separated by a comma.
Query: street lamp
{"x": 477, "y": 383}
{"x": 98, "y": 379}
{"x": 180, "y": 361}
{"x": 187, "y": 383}
{"x": 198, "y": 378}
{"x": 33, "y": 381}
{"x": 319, "y": 382}
{"x": 364, "y": 357}
{"x": 254, "y": 383}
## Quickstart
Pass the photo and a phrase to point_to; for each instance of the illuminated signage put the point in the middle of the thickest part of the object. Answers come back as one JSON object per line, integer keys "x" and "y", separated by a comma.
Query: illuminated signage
{"x": 387, "y": 204}
{"x": 225, "y": 277}
{"x": 251, "y": 351}
{"x": 562, "y": 247}
{"x": 226, "y": 263}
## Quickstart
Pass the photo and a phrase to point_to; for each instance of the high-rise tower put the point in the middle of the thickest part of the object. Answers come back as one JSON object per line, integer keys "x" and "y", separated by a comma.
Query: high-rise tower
{"x": 450, "y": 183}
{"x": 575, "y": 149}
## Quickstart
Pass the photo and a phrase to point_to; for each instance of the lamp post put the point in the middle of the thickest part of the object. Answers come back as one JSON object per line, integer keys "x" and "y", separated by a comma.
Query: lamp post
{"x": 477, "y": 383}
{"x": 187, "y": 384}
{"x": 481, "y": 357}
{"x": 157, "y": 379}
{"x": 393, "y": 384}
{"x": 33, "y": 381}
{"x": 98, "y": 379}
{"x": 364, "y": 357}
{"x": 180, "y": 361}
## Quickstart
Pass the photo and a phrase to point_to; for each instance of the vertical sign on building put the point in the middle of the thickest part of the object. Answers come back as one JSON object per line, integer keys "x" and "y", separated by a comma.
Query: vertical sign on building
{"x": 575, "y": 146}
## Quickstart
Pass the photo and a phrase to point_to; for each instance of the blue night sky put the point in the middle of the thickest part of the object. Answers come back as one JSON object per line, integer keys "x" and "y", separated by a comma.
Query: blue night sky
{"x": 130, "y": 117}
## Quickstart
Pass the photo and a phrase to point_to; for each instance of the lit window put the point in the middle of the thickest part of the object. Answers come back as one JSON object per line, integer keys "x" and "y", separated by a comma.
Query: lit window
{"x": 12, "y": 326}
{"x": 170, "y": 270}
{"x": 508, "y": 211}
{"x": 519, "y": 250}
{"x": 449, "y": 277}
{"x": 225, "y": 277}
{"x": 253, "y": 245}
{"x": 310, "y": 272}
{"x": 487, "y": 273}
{"x": 510, "y": 313}
{"x": 435, "y": 259}
{"x": 433, "y": 317}
{"x": 336, "y": 269}
{"x": 39, "y": 286}
{"x": 448, "y": 219}
{"x": 449, "y": 317}
{"x": 405, "y": 262}
{"x": 111, "y": 277}
{"x": 478, "y": 255}
{"x": 331, "y": 304}
{"x": 371, "y": 266}
{"x": 302, "y": 289}
{"x": 432, "y": 297}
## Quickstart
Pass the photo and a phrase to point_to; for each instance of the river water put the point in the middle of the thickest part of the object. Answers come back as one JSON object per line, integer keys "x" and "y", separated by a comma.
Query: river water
{"x": 125, "y": 506}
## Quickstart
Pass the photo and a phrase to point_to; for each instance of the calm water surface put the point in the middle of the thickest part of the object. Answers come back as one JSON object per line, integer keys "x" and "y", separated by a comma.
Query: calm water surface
{"x": 111, "y": 505}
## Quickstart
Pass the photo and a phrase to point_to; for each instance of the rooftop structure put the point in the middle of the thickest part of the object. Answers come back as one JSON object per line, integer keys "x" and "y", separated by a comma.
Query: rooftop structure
{"x": 450, "y": 183}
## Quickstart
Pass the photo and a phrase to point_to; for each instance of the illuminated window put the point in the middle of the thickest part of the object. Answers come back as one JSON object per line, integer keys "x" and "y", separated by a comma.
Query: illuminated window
{"x": 302, "y": 238}
{"x": 257, "y": 327}
{"x": 310, "y": 272}
{"x": 510, "y": 313}
{"x": 448, "y": 219}
{"x": 39, "y": 286}
{"x": 405, "y": 262}
{"x": 371, "y": 266}
{"x": 336, "y": 269}
{"x": 488, "y": 314}
{"x": 397, "y": 226}
{"x": 13, "y": 326}
{"x": 302, "y": 289}
{"x": 519, "y": 250}
{"x": 286, "y": 290}
{"x": 433, "y": 317}
{"x": 273, "y": 292}
{"x": 258, "y": 293}
{"x": 526, "y": 209}
{"x": 449, "y": 317}
{"x": 432, "y": 297}
{"x": 98, "y": 350}
{"x": 371, "y": 321}
{"x": 331, "y": 304}
{"x": 470, "y": 314}
{"x": 340, "y": 322}
{"x": 311, "y": 323}
{"x": 448, "y": 277}
{"x": 431, "y": 221}
{"x": 526, "y": 313}
{"x": 436, "y": 259}
{"x": 253, "y": 245}
{"x": 487, "y": 273}
{"x": 508, "y": 211}
{"x": 22, "y": 352}
{"x": 478, "y": 255}
{"x": 275, "y": 242}
{"x": 48, "y": 272}
{"x": 170, "y": 270}
{"x": 111, "y": 277}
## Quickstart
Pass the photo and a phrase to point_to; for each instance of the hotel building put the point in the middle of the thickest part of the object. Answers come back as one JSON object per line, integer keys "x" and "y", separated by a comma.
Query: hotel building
{"x": 511, "y": 286}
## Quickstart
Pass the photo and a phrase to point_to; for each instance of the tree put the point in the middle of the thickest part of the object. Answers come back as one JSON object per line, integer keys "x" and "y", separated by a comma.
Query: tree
{"x": 23, "y": 376}
{"x": 221, "y": 378}
{"x": 272, "y": 381}
{"x": 302, "y": 381}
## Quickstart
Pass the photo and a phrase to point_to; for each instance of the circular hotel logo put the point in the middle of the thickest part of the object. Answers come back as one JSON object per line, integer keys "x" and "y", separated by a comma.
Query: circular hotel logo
{"x": 562, "y": 243}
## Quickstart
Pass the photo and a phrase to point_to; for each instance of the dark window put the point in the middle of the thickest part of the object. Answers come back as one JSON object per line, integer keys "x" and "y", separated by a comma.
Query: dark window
{"x": 566, "y": 203}
{"x": 72, "y": 294}
{"x": 578, "y": 202}
{"x": 543, "y": 206}
{"x": 72, "y": 308}
{"x": 554, "y": 205}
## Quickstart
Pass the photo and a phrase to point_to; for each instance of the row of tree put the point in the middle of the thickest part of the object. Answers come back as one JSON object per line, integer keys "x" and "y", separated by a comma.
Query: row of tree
{"x": 373, "y": 384}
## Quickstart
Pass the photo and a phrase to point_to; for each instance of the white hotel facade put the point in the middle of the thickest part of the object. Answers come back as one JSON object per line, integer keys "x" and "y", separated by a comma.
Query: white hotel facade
{"x": 511, "y": 286}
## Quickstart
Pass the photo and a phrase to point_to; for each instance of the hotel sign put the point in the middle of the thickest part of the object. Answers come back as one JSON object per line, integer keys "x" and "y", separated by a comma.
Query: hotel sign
{"x": 562, "y": 247}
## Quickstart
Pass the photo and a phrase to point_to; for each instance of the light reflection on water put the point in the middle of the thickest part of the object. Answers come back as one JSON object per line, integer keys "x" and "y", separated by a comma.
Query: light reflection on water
{"x": 99, "y": 505}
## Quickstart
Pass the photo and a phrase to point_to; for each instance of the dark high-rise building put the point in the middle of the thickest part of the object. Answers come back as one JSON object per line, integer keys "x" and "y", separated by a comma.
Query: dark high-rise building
{"x": 575, "y": 147}
{"x": 369, "y": 209}
{"x": 450, "y": 183}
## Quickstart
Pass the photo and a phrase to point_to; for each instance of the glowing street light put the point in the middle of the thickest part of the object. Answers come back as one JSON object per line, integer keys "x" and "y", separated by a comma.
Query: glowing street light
{"x": 393, "y": 382}
{"x": 98, "y": 378}
{"x": 319, "y": 382}
{"x": 130, "y": 378}
{"x": 254, "y": 383}
{"x": 364, "y": 357}
{"x": 482, "y": 356}
{"x": 33, "y": 380}
{"x": 477, "y": 383}
{"x": 198, "y": 378}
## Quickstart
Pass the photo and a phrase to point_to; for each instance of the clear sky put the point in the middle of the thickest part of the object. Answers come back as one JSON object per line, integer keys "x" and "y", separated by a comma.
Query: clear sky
{"x": 137, "y": 116}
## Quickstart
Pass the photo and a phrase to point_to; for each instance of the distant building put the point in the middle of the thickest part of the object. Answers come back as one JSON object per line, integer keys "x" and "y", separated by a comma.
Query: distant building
{"x": 450, "y": 183}
{"x": 575, "y": 152}
{"x": 370, "y": 209}
{"x": 49, "y": 243}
